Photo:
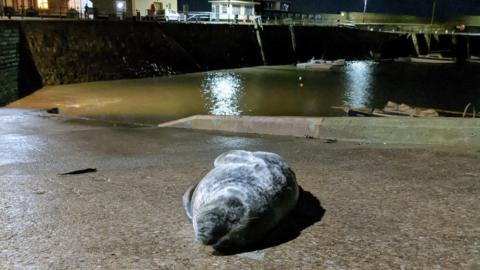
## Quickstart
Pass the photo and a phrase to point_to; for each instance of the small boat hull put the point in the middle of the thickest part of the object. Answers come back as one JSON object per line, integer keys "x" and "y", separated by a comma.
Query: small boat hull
{"x": 314, "y": 66}
{"x": 428, "y": 60}
{"x": 321, "y": 64}
{"x": 474, "y": 60}
{"x": 434, "y": 58}
{"x": 393, "y": 109}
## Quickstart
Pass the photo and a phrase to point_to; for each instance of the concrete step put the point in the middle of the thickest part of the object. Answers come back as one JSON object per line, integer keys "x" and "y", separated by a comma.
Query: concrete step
{"x": 397, "y": 130}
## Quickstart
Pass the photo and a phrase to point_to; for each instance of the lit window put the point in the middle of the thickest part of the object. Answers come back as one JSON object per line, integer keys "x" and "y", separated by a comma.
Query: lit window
{"x": 224, "y": 9}
{"x": 236, "y": 10}
{"x": 248, "y": 10}
{"x": 42, "y": 4}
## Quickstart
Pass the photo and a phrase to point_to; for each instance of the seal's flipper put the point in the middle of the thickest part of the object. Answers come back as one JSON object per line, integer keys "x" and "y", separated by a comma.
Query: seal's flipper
{"x": 187, "y": 199}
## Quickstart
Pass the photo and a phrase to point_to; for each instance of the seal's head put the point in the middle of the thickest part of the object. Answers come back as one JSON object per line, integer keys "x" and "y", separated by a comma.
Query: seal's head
{"x": 219, "y": 223}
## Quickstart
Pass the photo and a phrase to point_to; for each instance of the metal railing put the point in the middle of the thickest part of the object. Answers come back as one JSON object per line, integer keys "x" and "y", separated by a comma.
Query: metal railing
{"x": 292, "y": 19}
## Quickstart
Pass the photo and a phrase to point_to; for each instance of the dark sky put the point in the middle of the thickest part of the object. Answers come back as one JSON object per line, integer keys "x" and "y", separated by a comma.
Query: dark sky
{"x": 445, "y": 8}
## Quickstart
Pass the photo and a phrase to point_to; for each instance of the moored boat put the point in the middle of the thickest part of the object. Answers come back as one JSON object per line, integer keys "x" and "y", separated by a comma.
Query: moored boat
{"x": 431, "y": 58}
{"x": 393, "y": 109}
{"x": 474, "y": 59}
{"x": 321, "y": 64}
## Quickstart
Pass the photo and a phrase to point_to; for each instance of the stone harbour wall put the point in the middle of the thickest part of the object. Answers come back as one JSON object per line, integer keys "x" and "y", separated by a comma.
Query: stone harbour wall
{"x": 9, "y": 61}
{"x": 80, "y": 51}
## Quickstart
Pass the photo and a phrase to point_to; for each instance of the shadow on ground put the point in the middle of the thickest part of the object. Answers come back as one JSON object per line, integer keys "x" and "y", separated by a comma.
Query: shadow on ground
{"x": 307, "y": 212}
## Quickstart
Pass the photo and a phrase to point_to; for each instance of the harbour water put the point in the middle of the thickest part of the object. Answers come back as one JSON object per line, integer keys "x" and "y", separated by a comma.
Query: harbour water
{"x": 272, "y": 90}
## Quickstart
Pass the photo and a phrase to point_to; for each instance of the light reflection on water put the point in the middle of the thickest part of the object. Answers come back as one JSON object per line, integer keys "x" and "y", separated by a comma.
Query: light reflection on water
{"x": 358, "y": 83}
{"x": 222, "y": 92}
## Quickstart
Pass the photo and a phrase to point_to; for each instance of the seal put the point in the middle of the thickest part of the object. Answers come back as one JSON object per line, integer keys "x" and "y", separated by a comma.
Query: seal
{"x": 241, "y": 199}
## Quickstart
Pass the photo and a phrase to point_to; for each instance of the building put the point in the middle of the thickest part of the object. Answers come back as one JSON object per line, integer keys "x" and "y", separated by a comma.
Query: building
{"x": 80, "y": 5}
{"x": 35, "y": 7}
{"x": 18, "y": 5}
{"x": 129, "y": 8}
{"x": 274, "y": 9}
{"x": 277, "y": 6}
{"x": 144, "y": 5}
{"x": 232, "y": 10}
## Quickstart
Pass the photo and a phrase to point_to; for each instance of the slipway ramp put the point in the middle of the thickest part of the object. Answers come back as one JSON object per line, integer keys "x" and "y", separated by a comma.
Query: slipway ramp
{"x": 396, "y": 130}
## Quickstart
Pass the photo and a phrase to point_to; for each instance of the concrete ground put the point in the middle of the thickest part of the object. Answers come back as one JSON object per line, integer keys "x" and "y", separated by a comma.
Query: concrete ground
{"x": 387, "y": 206}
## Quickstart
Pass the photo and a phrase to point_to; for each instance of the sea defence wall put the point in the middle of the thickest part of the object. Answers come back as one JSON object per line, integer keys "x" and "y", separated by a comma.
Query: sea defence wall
{"x": 18, "y": 73}
{"x": 37, "y": 53}
{"x": 69, "y": 52}
{"x": 9, "y": 61}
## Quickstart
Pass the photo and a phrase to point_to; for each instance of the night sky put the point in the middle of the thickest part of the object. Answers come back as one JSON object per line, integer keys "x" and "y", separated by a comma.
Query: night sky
{"x": 445, "y": 8}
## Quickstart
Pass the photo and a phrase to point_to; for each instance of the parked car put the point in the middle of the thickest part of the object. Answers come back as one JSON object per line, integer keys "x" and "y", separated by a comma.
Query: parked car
{"x": 168, "y": 15}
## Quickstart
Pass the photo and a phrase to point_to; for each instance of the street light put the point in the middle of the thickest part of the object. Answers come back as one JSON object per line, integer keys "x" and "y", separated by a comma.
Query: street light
{"x": 364, "y": 9}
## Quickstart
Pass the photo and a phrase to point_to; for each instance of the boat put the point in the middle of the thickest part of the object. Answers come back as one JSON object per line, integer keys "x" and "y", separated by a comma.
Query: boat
{"x": 321, "y": 64}
{"x": 403, "y": 59}
{"x": 393, "y": 109}
{"x": 474, "y": 59}
{"x": 365, "y": 112}
{"x": 431, "y": 58}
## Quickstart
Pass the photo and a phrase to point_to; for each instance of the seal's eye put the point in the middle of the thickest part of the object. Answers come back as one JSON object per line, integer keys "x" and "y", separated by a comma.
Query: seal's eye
{"x": 234, "y": 210}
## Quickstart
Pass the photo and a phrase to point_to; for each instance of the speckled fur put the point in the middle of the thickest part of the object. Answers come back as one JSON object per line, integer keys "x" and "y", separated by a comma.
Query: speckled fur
{"x": 241, "y": 199}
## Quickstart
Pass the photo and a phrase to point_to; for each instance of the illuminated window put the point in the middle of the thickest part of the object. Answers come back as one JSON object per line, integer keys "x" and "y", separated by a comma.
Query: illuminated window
{"x": 224, "y": 9}
{"x": 236, "y": 10}
{"x": 248, "y": 10}
{"x": 42, "y": 4}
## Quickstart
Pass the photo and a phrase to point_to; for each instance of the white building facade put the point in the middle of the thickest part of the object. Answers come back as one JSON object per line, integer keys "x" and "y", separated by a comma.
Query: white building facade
{"x": 130, "y": 8}
{"x": 232, "y": 10}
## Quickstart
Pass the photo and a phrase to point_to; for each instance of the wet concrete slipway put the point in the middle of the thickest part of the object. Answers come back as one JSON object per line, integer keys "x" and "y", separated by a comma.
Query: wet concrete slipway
{"x": 386, "y": 206}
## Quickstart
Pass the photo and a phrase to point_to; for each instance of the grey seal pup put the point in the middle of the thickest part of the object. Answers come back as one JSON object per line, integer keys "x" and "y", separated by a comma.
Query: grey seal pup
{"x": 241, "y": 199}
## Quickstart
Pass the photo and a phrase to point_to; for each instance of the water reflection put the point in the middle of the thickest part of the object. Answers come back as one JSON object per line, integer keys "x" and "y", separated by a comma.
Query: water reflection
{"x": 358, "y": 83}
{"x": 222, "y": 92}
